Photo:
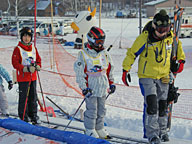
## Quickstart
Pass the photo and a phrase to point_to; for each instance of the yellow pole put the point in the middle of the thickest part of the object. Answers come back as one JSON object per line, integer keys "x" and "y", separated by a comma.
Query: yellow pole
{"x": 50, "y": 54}
{"x": 100, "y": 14}
{"x": 52, "y": 32}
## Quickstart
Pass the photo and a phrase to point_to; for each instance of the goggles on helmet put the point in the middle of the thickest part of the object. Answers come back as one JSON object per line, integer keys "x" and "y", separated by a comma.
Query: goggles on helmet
{"x": 99, "y": 41}
{"x": 95, "y": 41}
{"x": 162, "y": 29}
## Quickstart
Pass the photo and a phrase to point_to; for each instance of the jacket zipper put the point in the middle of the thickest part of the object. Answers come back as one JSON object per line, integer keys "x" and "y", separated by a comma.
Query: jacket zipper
{"x": 144, "y": 67}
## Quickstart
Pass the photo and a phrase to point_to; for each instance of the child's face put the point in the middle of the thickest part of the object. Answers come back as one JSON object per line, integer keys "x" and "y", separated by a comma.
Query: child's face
{"x": 26, "y": 38}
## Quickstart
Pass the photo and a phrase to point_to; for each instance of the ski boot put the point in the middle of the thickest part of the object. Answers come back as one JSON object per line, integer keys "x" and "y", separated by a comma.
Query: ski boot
{"x": 26, "y": 119}
{"x": 103, "y": 134}
{"x": 155, "y": 140}
{"x": 35, "y": 120}
{"x": 4, "y": 115}
{"x": 164, "y": 137}
{"x": 91, "y": 132}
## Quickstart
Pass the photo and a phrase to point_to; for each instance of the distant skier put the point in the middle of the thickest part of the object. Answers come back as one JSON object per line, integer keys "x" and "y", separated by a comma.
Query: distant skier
{"x": 26, "y": 61}
{"x": 94, "y": 69}
{"x": 3, "y": 98}
{"x": 154, "y": 47}
{"x": 50, "y": 29}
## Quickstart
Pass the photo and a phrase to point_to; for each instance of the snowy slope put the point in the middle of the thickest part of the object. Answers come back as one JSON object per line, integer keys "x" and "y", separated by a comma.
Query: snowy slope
{"x": 113, "y": 131}
{"x": 119, "y": 120}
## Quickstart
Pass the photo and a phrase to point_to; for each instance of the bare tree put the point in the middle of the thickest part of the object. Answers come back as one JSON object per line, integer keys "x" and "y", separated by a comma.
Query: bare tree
{"x": 21, "y": 5}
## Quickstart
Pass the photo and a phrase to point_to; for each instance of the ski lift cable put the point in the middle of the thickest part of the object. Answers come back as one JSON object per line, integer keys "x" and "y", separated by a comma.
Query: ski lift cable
{"x": 120, "y": 33}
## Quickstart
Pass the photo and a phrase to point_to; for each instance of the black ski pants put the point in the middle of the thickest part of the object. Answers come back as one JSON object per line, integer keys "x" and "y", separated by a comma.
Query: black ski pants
{"x": 31, "y": 108}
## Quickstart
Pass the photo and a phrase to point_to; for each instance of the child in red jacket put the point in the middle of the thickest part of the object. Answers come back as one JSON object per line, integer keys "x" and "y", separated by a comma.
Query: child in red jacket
{"x": 26, "y": 61}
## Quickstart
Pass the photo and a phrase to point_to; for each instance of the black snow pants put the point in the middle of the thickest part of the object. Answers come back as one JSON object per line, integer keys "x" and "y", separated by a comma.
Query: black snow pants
{"x": 31, "y": 108}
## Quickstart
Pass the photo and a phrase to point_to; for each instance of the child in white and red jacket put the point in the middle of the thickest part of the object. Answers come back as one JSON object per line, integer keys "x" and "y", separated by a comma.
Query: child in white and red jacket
{"x": 94, "y": 75}
{"x": 26, "y": 61}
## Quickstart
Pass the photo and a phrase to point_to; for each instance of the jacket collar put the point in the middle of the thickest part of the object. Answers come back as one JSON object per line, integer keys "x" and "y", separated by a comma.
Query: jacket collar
{"x": 25, "y": 47}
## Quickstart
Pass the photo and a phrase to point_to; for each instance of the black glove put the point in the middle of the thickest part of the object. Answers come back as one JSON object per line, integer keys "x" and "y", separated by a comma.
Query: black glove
{"x": 10, "y": 85}
{"x": 172, "y": 94}
{"x": 87, "y": 92}
{"x": 112, "y": 89}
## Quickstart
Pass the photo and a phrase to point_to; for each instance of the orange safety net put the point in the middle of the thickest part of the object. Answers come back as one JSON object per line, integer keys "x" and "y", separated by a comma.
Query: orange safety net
{"x": 129, "y": 98}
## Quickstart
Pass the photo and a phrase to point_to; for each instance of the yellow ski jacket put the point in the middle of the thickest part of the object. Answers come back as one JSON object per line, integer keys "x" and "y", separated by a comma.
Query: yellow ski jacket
{"x": 154, "y": 58}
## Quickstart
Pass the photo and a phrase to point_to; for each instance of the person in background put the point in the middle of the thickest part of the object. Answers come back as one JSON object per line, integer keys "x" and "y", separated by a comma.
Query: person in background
{"x": 154, "y": 46}
{"x": 93, "y": 69}
{"x": 3, "y": 98}
{"x": 50, "y": 29}
{"x": 26, "y": 61}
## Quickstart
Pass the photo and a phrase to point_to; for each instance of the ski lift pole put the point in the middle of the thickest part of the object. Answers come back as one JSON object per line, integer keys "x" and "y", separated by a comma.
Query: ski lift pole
{"x": 53, "y": 38}
{"x": 35, "y": 17}
{"x": 43, "y": 97}
{"x": 100, "y": 13}
{"x": 75, "y": 113}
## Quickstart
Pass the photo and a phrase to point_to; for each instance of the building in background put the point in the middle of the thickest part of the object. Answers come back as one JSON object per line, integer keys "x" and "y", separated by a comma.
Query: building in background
{"x": 169, "y": 5}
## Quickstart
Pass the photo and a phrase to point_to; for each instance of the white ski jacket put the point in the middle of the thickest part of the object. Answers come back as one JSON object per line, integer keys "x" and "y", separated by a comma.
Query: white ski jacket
{"x": 94, "y": 70}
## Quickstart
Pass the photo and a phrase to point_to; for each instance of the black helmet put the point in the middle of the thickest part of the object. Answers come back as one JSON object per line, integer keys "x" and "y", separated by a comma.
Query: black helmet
{"x": 26, "y": 30}
{"x": 96, "y": 38}
{"x": 162, "y": 22}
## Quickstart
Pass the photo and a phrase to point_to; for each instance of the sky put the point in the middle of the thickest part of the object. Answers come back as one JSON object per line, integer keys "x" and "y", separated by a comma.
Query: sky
{"x": 124, "y": 108}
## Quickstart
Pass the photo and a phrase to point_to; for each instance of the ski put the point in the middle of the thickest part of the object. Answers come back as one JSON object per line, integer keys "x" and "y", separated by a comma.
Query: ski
{"x": 176, "y": 29}
{"x": 63, "y": 112}
{"x": 40, "y": 123}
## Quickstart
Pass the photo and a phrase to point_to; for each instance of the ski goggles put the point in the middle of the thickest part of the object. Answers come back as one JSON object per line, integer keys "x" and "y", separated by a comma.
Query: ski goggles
{"x": 99, "y": 41}
{"x": 95, "y": 41}
{"x": 162, "y": 29}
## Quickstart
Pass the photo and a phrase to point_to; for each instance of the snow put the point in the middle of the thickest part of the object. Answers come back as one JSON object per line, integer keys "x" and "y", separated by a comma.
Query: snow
{"x": 124, "y": 108}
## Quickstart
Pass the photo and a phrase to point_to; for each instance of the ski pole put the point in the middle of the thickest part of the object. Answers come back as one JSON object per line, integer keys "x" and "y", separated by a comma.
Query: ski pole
{"x": 28, "y": 89}
{"x": 57, "y": 106}
{"x": 63, "y": 112}
{"x": 43, "y": 97}
{"x": 41, "y": 107}
{"x": 75, "y": 114}
{"x": 108, "y": 95}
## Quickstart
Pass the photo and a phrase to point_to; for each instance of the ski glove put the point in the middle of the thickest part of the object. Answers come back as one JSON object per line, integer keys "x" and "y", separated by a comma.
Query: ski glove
{"x": 10, "y": 85}
{"x": 29, "y": 69}
{"x": 126, "y": 77}
{"x": 178, "y": 67}
{"x": 112, "y": 89}
{"x": 172, "y": 94}
{"x": 87, "y": 92}
{"x": 38, "y": 68}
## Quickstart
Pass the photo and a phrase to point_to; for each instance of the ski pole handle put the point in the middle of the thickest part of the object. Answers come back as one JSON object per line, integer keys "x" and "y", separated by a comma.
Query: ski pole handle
{"x": 109, "y": 47}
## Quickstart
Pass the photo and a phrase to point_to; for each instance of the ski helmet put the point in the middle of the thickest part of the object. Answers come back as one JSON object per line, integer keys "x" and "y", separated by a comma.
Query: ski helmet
{"x": 26, "y": 30}
{"x": 162, "y": 22}
{"x": 96, "y": 38}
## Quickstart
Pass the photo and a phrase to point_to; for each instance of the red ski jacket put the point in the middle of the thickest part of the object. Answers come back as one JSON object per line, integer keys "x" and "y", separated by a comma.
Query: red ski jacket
{"x": 17, "y": 64}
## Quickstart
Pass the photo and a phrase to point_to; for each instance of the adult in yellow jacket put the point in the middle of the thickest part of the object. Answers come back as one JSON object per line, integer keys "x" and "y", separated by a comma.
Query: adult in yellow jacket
{"x": 154, "y": 46}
